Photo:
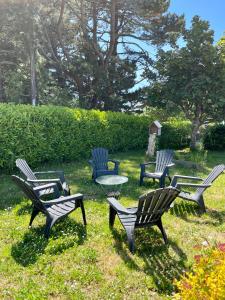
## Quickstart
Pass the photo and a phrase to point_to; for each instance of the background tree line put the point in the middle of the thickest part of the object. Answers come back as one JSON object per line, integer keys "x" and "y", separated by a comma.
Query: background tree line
{"x": 95, "y": 53}
{"x": 80, "y": 52}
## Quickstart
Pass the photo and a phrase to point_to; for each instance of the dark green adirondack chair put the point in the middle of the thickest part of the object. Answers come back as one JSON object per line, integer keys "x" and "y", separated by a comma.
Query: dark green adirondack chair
{"x": 53, "y": 209}
{"x": 99, "y": 163}
{"x": 196, "y": 196}
{"x": 162, "y": 164}
{"x": 149, "y": 211}
{"x": 31, "y": 177}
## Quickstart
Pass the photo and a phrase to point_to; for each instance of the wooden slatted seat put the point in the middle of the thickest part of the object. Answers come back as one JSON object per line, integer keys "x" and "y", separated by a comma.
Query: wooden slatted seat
{"x": 32, "y": 178}
{"x": 197, "y": 196}
{"x": 162, "y": 164}
{"x": 99, "y": 163}
{"x": 53, "y": 209}
{"x": 149, "y": 211}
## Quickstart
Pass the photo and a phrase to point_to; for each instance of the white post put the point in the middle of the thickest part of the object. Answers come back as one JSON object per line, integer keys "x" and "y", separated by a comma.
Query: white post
{"x": 151, "y": 145}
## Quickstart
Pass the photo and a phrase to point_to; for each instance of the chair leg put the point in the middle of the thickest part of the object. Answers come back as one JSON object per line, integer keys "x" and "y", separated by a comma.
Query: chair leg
{"x": 160, "y": 226}
{"x": 33, "y": 215}
{"x": 130, "y": 237}
{"x": 112, "y": 216}
{"x": 49, "y": 223}
{"x": 162, "y": 182}
{"x": 83, "y": 212}
{"x": 201, "y": 203}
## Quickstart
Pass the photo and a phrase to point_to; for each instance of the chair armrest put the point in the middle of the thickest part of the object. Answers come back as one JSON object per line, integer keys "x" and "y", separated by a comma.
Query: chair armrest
{"x": 59, "y": 172}
{"x": 50, "y": 172}
{"x": 65, "y": 199}
{"x": 53, "y": 186}
{"x": 146, "y": 164}
{"x": 118, "y": 207}
{"x": 50, "y": 180}
{"x": 176, "y": 177}
{"x": 170, "y": 165}
{"x": 180, "y": 184}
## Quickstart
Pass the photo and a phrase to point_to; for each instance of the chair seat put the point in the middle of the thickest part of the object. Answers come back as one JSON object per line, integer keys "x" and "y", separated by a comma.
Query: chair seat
{"x": 127, "y": 220}
{"x": 153, "y": 175}
{"x": 61, "y": 209}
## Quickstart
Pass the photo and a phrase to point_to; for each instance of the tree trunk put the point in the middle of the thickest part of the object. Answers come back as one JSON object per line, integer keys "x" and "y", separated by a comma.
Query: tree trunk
{"x": 195, "y": 128}
{"x": 33, "y": 75}
{"x": 2, "y": 91}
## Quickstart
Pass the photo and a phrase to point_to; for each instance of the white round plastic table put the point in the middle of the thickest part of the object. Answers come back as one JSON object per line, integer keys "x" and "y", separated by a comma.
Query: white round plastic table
{"x": 112, "y": 182}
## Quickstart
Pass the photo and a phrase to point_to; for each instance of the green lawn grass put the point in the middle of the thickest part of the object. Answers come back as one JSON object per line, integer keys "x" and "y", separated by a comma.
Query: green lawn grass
{"x": 94, "y": 262}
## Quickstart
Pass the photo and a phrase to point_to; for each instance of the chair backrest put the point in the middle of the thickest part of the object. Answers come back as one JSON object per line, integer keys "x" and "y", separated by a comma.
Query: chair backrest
{"x": 163, "y": 158}
{"x": 28, "y": 191}
{"x": 216, "y": 171}
{"x": 100, "y": 158}
{"x": 152, "y": 205}
{"x": 25, "y": 169}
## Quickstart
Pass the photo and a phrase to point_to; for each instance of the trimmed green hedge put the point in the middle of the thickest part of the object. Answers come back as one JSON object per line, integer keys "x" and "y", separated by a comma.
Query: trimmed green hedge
{"x": 214, "y": 137}
{"x": 175, "y": 134}
{"x": 50, "y": 133}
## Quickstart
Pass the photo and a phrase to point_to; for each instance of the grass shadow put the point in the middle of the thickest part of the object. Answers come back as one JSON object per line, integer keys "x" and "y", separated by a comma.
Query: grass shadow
{"x": 65, "y": 234}
{"x": 163, "y": 263}
{"x": 184, "y": 209}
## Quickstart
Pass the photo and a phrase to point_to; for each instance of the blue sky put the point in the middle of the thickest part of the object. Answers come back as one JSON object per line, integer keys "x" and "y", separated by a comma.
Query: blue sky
{"x": 210, "y": 10}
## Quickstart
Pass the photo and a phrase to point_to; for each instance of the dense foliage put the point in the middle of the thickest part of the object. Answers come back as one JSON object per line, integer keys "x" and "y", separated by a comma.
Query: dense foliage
{"x": 175, "y": 134}
{"x": 49, "y": 133}
{"x": 192, "y": 78}
{"x": 84, "y": 50}
{"x": 214, "y": 137}
{"x": 207, "y": 279}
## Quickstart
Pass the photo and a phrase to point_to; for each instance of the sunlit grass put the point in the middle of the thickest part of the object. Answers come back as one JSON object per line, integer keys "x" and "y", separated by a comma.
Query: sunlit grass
{"x": 94, "y": 262}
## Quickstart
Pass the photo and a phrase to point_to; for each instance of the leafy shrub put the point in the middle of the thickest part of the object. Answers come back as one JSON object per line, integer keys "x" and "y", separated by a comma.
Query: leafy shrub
{"x": 175, "y": 134}
{"x": 50, "y": 133}
{"x": 214, "y": 137}
{"x": 207, "y": 279}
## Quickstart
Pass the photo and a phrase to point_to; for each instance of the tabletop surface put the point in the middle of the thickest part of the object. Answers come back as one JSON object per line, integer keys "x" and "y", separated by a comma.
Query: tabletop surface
{"x": 111, "y": 179}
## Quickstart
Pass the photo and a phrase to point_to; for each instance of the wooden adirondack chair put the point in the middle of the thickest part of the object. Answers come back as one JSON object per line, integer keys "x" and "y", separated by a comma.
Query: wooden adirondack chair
{"x": 99, "y": 163}
{"x": 149, "y": 211}
{"x": 31, "y": 177}
{"x": 197, "y": 196}
{"x": 53, "y": 209}
{"x": 162, "y": 164}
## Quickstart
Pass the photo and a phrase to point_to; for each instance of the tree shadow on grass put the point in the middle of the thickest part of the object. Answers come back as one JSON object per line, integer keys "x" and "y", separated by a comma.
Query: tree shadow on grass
{"x": 65, "y": 234}
{"x": 184, "y": 210}
{"x": 163, "y": 263}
